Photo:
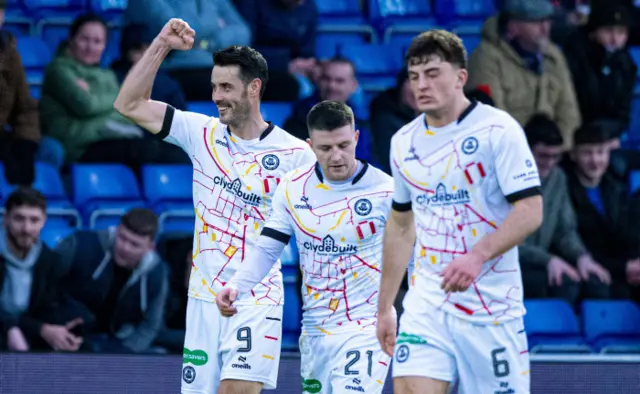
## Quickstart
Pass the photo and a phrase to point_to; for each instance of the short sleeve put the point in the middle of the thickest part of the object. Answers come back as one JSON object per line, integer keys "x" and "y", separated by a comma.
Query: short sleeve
{"x": 514, "y": 164}
{"x": 401, "y": 193}
{"x": 307, "y": 158}
{"x": 278, "y": 226}
{"x": 181, "y": 128}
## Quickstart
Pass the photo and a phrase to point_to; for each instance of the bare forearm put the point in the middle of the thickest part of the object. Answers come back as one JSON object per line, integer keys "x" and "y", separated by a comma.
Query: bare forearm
{"x": 524, "y": 219}
{"x": 397, "y": 250}
{"x": 139, "y": 82}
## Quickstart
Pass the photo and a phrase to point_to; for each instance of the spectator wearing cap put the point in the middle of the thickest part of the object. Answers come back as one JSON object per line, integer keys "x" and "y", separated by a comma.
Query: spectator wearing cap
{"x": 554, "y": 259}
{"x": 604, "y": 73}
{"x": 132, "y": 46}
{"x": 526, "y": 73}
{"x": 607, "y": 222}
{"x": 120, "y": 281}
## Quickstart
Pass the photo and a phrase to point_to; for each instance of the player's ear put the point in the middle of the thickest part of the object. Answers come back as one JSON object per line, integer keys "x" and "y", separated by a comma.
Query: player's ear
{"x": 254, "y": 87}
{"x": 463, "y": 76}
{"x": 357, "y": 136}
{"x": 309, "y": 142}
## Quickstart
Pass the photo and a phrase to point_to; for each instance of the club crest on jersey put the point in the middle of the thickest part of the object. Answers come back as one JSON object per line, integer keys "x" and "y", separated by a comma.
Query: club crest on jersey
{"x": 444, "y": 198}
{"x": 470, "y": 145}
{"x": 188, "y": 374}
{"x": 363, "y": 207}
{"x": 402, "y": 354}
{"x": 270, "y": 162}
{"x": 329, "y": 246}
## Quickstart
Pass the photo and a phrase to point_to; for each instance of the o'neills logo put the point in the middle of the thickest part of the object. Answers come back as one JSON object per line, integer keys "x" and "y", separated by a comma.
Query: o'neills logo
{"x": 329, "y": 246}
{"x": 442, "y": 197}
{"x": 235, "y": 187}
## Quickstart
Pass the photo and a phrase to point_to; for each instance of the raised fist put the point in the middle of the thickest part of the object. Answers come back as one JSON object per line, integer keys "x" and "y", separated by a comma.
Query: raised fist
{"x": 177, "y": 34}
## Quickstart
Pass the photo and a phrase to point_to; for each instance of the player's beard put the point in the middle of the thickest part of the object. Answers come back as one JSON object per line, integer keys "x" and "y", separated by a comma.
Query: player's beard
{"x": 240, "y": 113}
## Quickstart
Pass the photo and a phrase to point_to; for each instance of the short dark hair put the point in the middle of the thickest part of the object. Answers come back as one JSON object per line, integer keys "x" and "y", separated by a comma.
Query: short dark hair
{"x": 596, "y": 132}
{"x": 340, "y": 59}
{"x": 82, "y": 20}
{"x": 251, "y": 63}
{"x": 446, "y": 45}
{"x": 25, "y": 197}
{"x": 141, "y": 221}
{"x": 542, "y": 130}
{"x": 329, "y": 115}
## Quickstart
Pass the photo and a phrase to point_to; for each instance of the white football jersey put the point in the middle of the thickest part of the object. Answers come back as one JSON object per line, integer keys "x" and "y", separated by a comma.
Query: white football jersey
{"x": 233, "y": 184}
{"x": 460, "y": 181}
{"x": 338, "y": 230}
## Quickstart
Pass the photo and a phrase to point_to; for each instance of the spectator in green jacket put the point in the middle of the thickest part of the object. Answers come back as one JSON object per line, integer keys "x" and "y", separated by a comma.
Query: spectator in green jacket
{"x": 76, "y": 106}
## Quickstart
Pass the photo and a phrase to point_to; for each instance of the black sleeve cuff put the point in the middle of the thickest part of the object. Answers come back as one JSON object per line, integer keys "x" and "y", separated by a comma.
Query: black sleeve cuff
{"x": 522, "y": 194}
{"x": 166, "y": 123}
{"x": 275, "y": 234}
{"x": 401, "y": 207}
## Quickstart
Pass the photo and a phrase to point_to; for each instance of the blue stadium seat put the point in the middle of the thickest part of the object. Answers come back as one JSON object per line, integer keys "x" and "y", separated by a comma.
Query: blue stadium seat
{"x": 471, "y": 40}
{"x": 401, "y": 17}
{"x": 635, "y": 54}
{"x": 343, "y": 18}
{"x": 289, "y": 256}
{"x": 633, "y": 133}
{"x": 203, "y": 107}
{"x": 612, "y": 326}
{"x": 552, "y": 327}
{"x": 103, "y": 192}
{"x": 364, "y": 147}
{"x": 109, "y": 9}
{"x": 634, "y": 181}
{"x": 340, "y": 12}
{"x": 35, "y": 56}
{"x": 16, "y": 20}
{"x": 48, "y": 182}
{"x": 292, "y": 314}
{"x": 54, "y": 17}
{"x": 277, "y": 113}
{"x": 377, "y": 65}
{"x": 463, "y": 12}
{"x": 168, "y": 189}
{"x": 52, "y": 234}
{"x": 327, "y": 43}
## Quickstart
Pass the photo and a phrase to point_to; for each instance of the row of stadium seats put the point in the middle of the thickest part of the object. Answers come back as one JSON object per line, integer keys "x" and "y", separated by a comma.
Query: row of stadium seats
{"x": 604, "y": 327}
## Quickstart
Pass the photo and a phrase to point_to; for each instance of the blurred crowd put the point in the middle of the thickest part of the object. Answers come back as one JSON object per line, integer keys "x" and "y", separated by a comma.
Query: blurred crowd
{"x": 563, "y": 69}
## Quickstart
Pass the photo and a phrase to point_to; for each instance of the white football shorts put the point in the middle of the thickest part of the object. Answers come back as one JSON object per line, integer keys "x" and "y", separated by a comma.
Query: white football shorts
{"x": 343, "y": 363}
{"x": 243, "y": 347}
{"x": 482, "y": 358}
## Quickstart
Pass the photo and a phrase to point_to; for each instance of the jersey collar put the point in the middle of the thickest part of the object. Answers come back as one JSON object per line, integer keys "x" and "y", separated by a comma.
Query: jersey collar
{"x": 464, "y": 113}
{"x": 358, "y": 176}
{"x": 264, "y": 134}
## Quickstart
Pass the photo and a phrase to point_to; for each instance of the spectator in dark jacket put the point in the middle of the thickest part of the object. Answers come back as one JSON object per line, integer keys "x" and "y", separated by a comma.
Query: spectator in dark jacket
{"x": 604, "y": 210}
{"x": 604, "y": 73}
{"x": 121, "y": 281}
{"x": 389, "y": 111}
{"x": 284, "y": 31}
{"x": 29, "y": 273}
{"x": 18, "y": 114}
{"x": 554, "y": 259}
{"x": 337, "y": 82}
{"x": 132, "y": 46}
